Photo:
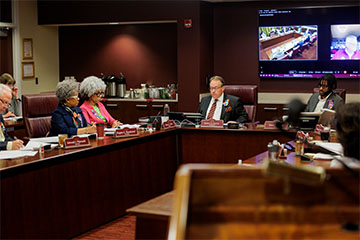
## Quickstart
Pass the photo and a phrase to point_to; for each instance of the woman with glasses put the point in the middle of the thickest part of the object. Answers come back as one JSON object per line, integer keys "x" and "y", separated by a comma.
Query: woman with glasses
{"x": 14, "y": 108}
{"x": 92, "y": 90}
{"x": 67, "y": 117}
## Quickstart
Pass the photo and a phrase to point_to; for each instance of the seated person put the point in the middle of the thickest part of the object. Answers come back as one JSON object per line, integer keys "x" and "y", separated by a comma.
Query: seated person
{"x": 92, "y": 90}
{"x": 325, "y": 98}
{"x": 14, "y": 108}
{"x": 6, "y": 142}
{"x": 67, "y": 118}
{"x": 221, "y": 106}
{"x": 351, "y": 50}
{"x": 348, "y": 132}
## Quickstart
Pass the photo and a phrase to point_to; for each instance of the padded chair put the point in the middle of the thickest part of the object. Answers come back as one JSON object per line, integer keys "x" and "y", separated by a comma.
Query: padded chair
{"x": 37, "y": 110}
{"x": 248, "y": 95}
{"x": 339, "y": 91}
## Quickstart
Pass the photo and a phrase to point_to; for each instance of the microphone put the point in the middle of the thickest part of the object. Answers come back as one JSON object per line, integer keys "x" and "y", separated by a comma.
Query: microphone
{"x": 295, "y": 107}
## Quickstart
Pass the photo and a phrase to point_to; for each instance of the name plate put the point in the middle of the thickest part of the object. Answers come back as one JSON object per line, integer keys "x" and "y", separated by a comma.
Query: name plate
{"x": 272, "y": 125}
{"x": 126, "y": 132}
{"x": 168, "y": 124}
{"x": 76, "y": 142}
{"x": 318, "y": 128}
{"x": 212, "y": 123}
{"x": 301, "y": 135}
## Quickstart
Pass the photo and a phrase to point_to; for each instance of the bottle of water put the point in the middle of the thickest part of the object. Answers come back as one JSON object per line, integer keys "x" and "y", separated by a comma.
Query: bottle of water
{"x": 166, "y": 109}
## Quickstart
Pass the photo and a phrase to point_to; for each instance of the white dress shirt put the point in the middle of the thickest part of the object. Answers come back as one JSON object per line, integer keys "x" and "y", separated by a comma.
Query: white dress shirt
{"x": 217, "y": 113}
{"x": 321, "y": 103}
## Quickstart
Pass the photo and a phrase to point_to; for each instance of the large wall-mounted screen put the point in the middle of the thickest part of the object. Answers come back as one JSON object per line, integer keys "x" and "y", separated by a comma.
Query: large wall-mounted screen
{"x": 309, "y": 42}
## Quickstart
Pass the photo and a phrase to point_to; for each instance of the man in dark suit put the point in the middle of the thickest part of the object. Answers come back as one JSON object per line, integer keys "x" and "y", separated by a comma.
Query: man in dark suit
{"x": 221, "y": 106}
{"x": 6, "y": 142}
{"x": 325, "y": 98}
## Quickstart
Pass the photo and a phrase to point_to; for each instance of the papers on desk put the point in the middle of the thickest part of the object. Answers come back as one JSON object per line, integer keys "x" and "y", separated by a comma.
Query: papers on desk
{"x": 323, "y": 156}
{"x": 46, "y": 139}
{"x": 333, "y": 147}
{"x": 11, "y": 154}
{"x": 13, "y": 118}
{"x": 111, "y": 131}
{"x": 35, "y": 145}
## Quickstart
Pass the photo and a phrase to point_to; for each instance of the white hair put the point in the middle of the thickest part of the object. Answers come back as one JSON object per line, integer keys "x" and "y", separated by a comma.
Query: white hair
{"x": 66, "y": 89}
{"x": 3, "y": 88}
{"x": 90, "y": 85}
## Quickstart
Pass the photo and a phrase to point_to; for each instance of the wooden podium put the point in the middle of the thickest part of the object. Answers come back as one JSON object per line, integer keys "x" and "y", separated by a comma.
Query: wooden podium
{"x": 215, "y": 201}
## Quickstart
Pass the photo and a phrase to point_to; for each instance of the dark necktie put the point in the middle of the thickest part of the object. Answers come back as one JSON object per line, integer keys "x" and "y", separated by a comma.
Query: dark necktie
{"x": 212, "y": 110}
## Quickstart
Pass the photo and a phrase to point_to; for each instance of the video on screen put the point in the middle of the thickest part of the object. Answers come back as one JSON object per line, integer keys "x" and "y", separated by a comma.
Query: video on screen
{"x": 345, "y": 42}
{"x": 288, "y": 43}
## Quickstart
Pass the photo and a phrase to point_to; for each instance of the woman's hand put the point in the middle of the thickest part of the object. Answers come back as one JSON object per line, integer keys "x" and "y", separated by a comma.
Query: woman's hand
{"x": 116, "y": 124}
{"x": 15, "y": 92}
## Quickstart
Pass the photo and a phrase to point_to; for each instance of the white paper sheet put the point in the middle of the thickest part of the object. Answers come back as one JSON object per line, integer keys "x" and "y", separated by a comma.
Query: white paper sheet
{"x": 13, "y": 118}
{"x": 11, "y": 154}
{"x": 334, "y": 147}
{"x": 46, "y": 139}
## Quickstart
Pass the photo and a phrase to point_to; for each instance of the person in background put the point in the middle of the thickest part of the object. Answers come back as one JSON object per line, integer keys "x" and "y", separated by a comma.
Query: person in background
{"x": 6, "y": 142}
{"x": 350, "y": 52}
{"x": 14, "y": 108}
{"x": 348, "y": 132}
{"x": 92, "y": 90}
{"x": 221, "y": 106}
{"x": 325, "y": 98}
{"x": 67, "y": 118}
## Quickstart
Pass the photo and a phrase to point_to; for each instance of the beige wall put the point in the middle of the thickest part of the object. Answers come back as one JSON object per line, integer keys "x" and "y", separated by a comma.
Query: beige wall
{"x": 45, "y": 49}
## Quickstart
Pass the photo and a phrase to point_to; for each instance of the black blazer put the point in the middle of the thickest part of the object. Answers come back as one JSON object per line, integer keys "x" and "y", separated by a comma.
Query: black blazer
{"x": 7, "y": 138}
{"x": 234, "y": 111}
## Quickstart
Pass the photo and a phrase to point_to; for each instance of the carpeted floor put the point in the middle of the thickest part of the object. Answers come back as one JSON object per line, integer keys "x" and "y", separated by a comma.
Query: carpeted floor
{"x": 122, "y": 228}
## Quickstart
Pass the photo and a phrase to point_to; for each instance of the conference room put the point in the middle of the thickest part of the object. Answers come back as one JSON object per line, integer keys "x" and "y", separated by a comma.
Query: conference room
{"x": 172, "y": 47}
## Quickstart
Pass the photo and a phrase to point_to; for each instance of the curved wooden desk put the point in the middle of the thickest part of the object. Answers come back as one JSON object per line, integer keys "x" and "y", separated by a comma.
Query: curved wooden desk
{"x": 67, "y": 192}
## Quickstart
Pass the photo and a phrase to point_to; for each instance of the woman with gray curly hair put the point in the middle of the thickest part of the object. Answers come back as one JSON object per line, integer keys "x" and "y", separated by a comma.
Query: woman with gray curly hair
{"x": 67, "y": 117}
{"x": 92, "y": 90}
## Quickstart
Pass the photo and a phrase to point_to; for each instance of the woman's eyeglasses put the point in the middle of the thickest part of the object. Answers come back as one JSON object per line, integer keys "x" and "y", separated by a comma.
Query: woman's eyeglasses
{"x": 100, "y": 94}
{"x": 74, "y": 97}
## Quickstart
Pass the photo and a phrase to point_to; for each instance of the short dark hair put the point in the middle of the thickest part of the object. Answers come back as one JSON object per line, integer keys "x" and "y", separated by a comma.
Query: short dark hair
{"x": 331, "y": 80}
{"x": 348, "y": 128}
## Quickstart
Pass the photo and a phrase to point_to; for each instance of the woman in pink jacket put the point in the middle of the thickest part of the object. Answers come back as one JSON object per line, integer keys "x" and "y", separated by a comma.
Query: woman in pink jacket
{"x": 92, "y": 90}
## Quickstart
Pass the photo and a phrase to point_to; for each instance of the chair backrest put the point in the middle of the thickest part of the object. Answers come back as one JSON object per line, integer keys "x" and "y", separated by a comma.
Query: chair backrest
{"x": 339, "y": 91}
{"x": 225, "y": 201}
{"x": 37, "y": 110}
{"x": 248, "y": 95}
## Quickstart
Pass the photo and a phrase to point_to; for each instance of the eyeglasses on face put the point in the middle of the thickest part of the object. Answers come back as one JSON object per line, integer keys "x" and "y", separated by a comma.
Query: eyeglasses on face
{"x": 3, "y": 102}
{"x": 215, "y": 88}
{"x": 323, "y": 85}
{"x": 100, "y": 94}
{"x": 74, "y": 97}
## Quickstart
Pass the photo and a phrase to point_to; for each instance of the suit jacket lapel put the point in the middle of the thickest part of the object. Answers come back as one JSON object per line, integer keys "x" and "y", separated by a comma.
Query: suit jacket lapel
{"x": 223, "y": 108}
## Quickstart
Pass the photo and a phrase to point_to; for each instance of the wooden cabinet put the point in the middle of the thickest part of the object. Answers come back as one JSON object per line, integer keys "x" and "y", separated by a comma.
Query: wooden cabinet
{"x": 130, "y": 111}
{"x": 270, "y": 112}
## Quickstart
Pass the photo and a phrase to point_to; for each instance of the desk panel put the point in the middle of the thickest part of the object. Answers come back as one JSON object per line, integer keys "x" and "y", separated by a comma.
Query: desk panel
{"x": 68, "y": 192}
{"x": 225, "y": 145}
{"x": 65, "y": 195}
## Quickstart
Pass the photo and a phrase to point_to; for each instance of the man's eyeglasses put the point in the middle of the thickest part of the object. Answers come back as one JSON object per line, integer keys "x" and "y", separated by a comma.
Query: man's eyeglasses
{"x": 323, "y": 85}
{"x": 3, "y": 102}
{"x": 100, "y": 94}
{"x": 214, "y": 88}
